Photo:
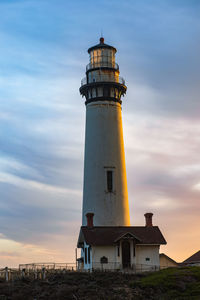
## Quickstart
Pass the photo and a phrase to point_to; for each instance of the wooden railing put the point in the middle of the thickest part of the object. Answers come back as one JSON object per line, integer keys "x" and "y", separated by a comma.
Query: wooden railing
{"x": 41, "y": 271}
{"x": 35, "y": 270}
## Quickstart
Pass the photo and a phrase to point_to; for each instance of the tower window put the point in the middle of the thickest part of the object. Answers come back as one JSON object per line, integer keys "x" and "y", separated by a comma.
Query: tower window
{"x": 116, "y": 93}
{"x": 106, "y": 92}
{"x": 110, "y": 181}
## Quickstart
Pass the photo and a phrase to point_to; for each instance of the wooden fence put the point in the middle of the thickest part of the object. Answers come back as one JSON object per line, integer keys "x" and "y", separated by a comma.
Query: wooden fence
{"x": 35, "y": 271}
{"x": 41, "y": 271}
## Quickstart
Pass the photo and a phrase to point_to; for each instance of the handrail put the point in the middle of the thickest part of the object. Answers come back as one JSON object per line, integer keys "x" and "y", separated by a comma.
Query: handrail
{"x": 102, "y": 78}
{"x": 102, "y": 65}
{"x": 84, "y": 81}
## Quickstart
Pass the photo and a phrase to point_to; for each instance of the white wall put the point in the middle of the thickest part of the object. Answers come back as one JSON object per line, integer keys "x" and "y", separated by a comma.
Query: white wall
{"x": 165, "y": 262}
{"x": 104, "y": 148}
{"x": 147, "y": 251}
{"x": 115, "y": 262}
{"x": 108, "y": 251}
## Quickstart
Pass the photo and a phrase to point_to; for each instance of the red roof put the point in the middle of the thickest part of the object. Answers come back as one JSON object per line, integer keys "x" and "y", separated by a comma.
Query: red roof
{"x": 194, "y": 258}
{"x": 109, "y": 235}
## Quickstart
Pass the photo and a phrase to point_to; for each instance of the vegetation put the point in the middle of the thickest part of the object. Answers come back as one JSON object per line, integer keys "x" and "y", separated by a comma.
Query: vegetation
{"x": 174, "y": 283}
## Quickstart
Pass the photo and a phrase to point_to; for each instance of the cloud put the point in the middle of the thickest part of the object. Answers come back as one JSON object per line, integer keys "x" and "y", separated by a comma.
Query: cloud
{"x": 43, "y": 57}
{"x": 22, "y": 252}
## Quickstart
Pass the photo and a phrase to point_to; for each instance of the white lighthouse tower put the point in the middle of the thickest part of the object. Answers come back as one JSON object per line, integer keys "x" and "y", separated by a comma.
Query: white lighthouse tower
{"x": 105, "y": 185}
{"x": 106, "y": 239}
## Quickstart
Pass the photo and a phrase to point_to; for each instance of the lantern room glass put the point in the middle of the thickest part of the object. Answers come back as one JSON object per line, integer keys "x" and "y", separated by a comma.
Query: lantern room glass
{"x": 102, "y": 57}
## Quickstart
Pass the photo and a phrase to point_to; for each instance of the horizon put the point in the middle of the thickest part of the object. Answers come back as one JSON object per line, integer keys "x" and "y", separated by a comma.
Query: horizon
{"x": 43, "y": 59}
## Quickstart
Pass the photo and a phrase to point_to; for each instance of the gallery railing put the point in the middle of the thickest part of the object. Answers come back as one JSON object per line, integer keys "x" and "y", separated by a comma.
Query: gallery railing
{"x": 102, "y": 64}
{"x": 103, "y": 78}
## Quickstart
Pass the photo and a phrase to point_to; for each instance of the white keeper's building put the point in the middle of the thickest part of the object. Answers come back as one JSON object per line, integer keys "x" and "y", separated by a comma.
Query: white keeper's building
{"x": 106, "y": 239}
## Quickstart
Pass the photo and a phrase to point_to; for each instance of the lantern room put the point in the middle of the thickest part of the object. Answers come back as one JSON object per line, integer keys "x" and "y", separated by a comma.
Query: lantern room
{"x": 102, "y": 81}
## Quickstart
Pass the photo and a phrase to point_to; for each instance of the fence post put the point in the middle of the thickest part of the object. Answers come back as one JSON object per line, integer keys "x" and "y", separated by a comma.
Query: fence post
{"x": 43, "y": 274}
{"x": 6, "y": 273}
{"x": 76, "y": 258}
{"x": 23, "y": 273}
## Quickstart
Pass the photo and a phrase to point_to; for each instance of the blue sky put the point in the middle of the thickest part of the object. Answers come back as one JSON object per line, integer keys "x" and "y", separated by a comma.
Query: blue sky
{"x": 43, "y": 56}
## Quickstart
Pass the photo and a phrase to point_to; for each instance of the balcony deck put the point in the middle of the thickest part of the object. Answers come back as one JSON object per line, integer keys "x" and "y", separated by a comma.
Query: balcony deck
{"x": 103, "y": 78}
{"x": 102, "y": 64}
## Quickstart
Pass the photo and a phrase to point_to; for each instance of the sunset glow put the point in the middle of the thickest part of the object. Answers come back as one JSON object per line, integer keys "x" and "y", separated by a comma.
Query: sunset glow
{"x": 42, "y": 120}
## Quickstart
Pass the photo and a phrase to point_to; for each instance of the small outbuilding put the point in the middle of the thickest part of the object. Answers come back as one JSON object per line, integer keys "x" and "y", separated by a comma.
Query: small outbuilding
{"x": 120, "y": 247}
{"x": 167, "y": 262}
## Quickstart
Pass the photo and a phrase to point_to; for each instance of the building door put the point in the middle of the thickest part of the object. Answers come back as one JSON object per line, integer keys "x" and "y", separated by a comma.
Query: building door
{"x": 126, "y": 257}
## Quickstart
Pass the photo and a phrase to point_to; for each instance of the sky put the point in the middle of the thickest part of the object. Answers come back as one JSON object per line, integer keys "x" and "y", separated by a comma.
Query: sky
{"x": 43, "y": 55}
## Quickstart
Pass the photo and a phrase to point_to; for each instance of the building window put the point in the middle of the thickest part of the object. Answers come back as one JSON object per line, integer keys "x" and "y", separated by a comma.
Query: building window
{"x": 112, "y": 94}
{"x": 118, "y": 250}
{"x": 93, "y": 93}
{"x": 88, "y": 255}
{"x": 85, "y": 255}
{"x": 133, "y": 250}
{"x": 106, "y": 92}
{"x": 147, "y": 259}
{"x": 104, "y": 260}
{"x": 100, "y": 92}
{"x": 110, "y": 181}
{"x": 116, "y": 93}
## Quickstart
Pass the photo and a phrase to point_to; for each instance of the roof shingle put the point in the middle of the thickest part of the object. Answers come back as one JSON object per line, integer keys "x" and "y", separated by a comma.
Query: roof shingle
{"x": 194, "y": 258}
{"x": 108, "y": 235}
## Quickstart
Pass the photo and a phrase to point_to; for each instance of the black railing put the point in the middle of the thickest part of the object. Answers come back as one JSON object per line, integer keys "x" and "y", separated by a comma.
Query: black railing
{"x": 84, "y": 81}
{"x": 102, "y": 64}
{"x": 103, "y": 78}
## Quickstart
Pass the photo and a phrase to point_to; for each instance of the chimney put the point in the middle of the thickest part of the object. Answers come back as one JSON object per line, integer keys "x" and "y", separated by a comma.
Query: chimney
{"x": 148, "y": 218}
{"x": 89, "y": 217}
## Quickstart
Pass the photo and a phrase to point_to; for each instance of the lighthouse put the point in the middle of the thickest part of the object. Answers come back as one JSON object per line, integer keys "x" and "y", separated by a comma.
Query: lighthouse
{"x": 106, "y": 239}
{"x": 105, "y": 184}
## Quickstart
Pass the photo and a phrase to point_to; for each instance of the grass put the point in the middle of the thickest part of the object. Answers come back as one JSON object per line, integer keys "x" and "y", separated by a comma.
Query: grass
{"x": 173, "y": 283}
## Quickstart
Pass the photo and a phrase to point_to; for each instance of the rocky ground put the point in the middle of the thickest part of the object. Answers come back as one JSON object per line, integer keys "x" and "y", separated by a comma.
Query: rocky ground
{"x": 176, "y": 283}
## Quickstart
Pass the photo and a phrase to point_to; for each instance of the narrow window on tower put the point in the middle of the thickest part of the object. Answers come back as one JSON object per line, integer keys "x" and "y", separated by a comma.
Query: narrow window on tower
{"x": 110, "y": 186}
{"x": 110, "y": 181}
